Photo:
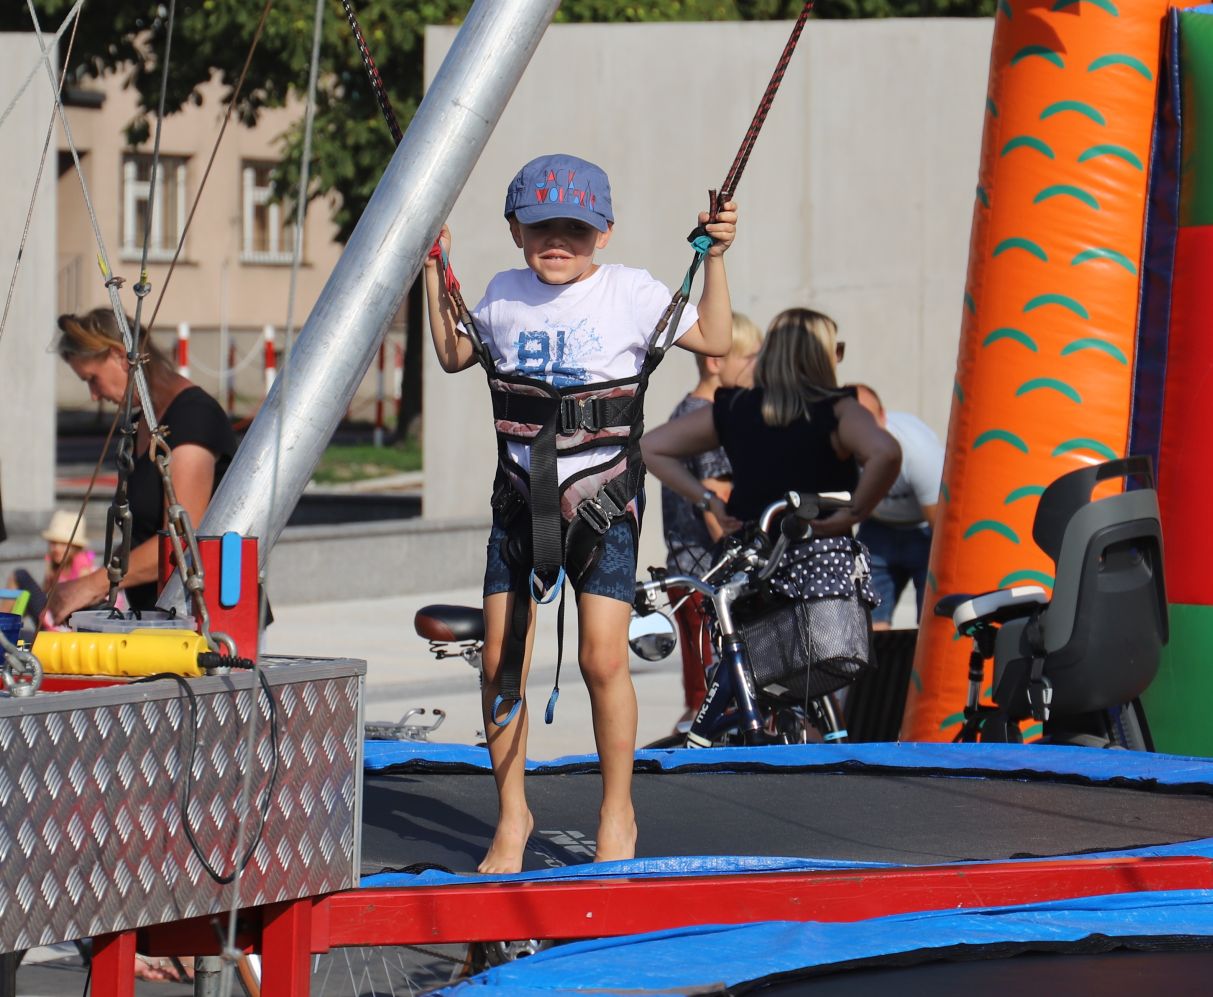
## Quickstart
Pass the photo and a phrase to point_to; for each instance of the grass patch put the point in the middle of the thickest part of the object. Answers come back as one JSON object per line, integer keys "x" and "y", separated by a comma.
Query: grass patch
{"x": 358, "y": 462}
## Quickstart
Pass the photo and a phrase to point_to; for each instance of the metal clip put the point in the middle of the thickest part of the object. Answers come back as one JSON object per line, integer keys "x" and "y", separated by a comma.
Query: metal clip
{"x": 577, "y": 414}
{"x": 600, "y": 512}
{"x": 1040, "y": 698}
{"x": 595, "y": 516}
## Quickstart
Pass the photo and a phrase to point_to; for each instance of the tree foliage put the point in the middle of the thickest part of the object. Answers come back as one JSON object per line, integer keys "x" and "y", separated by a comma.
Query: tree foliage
{"x": 211, "y": 39}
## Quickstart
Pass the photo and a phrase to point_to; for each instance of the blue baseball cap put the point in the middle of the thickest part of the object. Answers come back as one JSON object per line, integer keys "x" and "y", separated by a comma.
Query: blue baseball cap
{"x": 560, "y": 186}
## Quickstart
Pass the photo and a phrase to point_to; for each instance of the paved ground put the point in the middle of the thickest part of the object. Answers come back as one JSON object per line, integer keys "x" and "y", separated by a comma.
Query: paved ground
{"x": 402, "y": 674}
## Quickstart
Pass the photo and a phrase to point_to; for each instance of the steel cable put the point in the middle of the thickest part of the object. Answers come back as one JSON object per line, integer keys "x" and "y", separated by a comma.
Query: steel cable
{"x": 231, "y": 952}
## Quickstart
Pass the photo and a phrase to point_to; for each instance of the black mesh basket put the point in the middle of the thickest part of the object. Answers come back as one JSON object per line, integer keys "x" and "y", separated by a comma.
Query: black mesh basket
{"x": 808, "y": 648}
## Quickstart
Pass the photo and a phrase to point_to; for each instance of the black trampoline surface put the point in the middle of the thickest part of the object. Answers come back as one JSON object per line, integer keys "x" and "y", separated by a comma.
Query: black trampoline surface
{"x": 447, "y": 819}
{"x": 1118, "y": 972}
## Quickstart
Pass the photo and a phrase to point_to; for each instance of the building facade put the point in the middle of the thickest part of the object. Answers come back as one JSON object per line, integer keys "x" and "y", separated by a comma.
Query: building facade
{"x": 232, "y": 279}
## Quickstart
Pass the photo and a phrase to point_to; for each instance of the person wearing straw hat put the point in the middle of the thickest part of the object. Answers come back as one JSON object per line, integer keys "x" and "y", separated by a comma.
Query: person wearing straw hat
{"x": 67, "y": 556}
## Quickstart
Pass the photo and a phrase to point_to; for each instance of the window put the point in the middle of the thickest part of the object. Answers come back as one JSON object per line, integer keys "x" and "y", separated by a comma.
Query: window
{"x": 268, "y": 237}
{"x": 168, "y": 207}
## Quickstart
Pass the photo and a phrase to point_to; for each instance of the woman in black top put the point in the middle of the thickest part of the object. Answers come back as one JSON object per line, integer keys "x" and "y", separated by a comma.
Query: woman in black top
{"x": 795, "y": 430}
{"x": 199, "y": 436}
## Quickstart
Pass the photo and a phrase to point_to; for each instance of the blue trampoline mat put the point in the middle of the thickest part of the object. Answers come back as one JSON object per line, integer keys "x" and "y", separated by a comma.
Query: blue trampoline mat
{"x": 404, "y": 779}
{"x": 706, "y": 959}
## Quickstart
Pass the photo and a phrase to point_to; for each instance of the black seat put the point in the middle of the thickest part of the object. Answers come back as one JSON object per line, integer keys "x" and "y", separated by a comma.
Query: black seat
{"x": 1095, "y": 644}
{"x": 449, "y": 624}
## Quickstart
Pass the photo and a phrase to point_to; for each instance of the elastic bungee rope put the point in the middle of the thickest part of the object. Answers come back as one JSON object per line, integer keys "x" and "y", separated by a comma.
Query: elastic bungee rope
{"x": 449, "y": 280}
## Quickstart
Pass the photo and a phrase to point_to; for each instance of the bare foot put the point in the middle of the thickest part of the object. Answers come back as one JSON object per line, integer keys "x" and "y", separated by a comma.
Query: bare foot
{"x": 616, "y": 835}
{"x": 509, "y": 842}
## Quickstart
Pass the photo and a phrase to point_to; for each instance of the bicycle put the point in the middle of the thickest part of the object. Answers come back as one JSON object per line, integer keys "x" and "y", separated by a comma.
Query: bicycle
{"x": 741, "y": 706}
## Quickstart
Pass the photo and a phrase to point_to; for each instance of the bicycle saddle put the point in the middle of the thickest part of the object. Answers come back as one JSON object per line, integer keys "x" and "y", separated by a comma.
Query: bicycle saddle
{"x": 449, "y": 623}
{"x": 998, "y": 606}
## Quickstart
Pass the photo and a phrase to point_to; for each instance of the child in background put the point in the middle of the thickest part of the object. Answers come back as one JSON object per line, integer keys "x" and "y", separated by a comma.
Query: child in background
{"x": 566, "y": 320}
{"x": 690, "y": 529}
{"x": 67, "y": 557}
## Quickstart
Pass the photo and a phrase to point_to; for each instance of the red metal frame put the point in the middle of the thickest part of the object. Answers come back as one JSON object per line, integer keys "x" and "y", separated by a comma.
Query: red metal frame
{"x": 287, "y": 934}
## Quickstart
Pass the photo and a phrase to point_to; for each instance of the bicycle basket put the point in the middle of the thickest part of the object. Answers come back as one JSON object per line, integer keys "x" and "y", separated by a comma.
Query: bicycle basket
{"x": 808, "y": 648}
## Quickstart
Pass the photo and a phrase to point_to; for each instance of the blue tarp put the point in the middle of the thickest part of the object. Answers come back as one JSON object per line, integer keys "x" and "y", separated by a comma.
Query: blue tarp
{"x": 689, "y": 959}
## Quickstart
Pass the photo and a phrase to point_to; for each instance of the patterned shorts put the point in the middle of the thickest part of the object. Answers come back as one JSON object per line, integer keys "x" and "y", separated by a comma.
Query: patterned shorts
{"x": 614, "y": 576}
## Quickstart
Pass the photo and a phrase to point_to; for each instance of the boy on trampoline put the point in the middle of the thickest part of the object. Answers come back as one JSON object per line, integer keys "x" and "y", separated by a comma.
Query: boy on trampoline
{"x": 568, "y": 323}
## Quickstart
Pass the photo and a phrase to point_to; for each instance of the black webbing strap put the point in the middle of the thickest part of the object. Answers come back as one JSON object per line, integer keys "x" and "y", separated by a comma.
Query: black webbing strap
{"x": 1040, "y": 689}
{"x": 573, "y": 414}
{"x": 547, "y": 542}
{"x": 513, "y": 653}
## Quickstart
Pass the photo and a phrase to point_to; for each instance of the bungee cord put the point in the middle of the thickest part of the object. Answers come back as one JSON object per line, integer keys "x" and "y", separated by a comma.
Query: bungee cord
{"x": 450, "y": 281}
{"x": 717, "y": 199}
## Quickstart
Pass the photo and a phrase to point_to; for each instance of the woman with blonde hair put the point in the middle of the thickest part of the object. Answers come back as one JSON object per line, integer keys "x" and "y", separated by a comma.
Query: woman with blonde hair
{"x": 794, "y": 430}
{"x": 690, "y": 530}
{"x": 200, "y": 440}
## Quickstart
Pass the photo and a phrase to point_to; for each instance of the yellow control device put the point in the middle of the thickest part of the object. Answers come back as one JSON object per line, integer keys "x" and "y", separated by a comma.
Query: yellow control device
{"x": 137, "y": 653}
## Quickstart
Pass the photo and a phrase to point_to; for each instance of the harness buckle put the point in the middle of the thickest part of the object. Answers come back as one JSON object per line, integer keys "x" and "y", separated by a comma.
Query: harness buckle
{"x": 600, "y": 511}
{"x": 595, "y": 516}
{"x": 577, "y": 414}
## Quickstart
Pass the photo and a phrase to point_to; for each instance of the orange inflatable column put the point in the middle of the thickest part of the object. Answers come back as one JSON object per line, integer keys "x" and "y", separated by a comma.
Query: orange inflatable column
{"x": 1046, "y": 354}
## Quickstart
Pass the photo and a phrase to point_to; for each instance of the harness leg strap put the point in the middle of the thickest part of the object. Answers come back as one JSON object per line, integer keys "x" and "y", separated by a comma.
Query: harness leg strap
{"x": 509, "y": 672}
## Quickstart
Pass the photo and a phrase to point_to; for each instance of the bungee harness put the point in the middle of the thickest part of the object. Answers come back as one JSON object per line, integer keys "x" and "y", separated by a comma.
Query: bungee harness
{"x": 565, "y": 532}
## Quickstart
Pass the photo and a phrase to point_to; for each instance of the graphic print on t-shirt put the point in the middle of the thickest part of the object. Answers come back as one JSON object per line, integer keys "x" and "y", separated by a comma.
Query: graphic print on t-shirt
{"x": 557, "y": 355}
{"x": 591, "y": 331}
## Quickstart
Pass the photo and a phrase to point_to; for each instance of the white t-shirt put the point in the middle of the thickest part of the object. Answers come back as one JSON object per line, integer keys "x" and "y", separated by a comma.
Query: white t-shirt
{"x": 921, "y": 470}
{"x": 597, "y": 329}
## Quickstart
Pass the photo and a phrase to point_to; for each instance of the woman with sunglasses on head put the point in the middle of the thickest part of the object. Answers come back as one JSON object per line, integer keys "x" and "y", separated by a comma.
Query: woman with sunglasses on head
{"x": 794, "y": 430}
{"x": 199, "y": 436}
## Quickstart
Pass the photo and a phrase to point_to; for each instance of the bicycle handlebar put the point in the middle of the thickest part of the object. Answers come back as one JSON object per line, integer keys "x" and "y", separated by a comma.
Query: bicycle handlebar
{"x": 805, "y": 505}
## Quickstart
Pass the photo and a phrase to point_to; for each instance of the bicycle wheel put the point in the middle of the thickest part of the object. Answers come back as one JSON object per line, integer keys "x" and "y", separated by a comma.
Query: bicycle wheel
{"x": 377, "y": 971}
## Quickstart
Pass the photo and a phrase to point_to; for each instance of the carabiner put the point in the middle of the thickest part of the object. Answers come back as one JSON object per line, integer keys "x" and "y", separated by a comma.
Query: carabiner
{"x": 509, "y": 716}
{"x": 550, "y": 594}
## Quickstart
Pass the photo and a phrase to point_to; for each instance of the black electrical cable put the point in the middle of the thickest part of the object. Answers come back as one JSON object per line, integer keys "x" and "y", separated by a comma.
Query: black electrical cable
{"x": 187, "y": 789}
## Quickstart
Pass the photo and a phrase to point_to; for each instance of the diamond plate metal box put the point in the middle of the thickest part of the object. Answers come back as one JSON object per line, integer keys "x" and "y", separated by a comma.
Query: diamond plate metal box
{"x": 120, "y": 807}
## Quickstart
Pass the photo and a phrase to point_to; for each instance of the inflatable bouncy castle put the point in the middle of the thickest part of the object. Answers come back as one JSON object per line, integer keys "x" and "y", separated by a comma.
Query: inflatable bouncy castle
{"x": 1090, "y": 264}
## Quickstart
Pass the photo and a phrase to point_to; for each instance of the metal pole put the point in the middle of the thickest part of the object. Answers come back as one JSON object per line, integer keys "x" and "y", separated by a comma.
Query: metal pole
{"x": 384, "y": 254}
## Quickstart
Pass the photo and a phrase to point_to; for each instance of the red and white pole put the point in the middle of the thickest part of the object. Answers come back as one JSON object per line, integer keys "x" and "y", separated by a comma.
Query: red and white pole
{"x": 380, "y": 390}
{"x": 271, "y": 358}
{"x": 230, "y": 377}
{"x": 183, "y": 349}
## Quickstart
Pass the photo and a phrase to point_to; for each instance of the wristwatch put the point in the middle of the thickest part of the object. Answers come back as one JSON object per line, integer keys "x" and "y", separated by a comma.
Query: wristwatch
{"x": 705, "y": 500}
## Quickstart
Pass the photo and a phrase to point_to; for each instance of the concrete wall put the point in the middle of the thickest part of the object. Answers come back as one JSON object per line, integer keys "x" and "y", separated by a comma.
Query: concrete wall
{"x": 27, "y": 397}
{"x": 857, "y": 199}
